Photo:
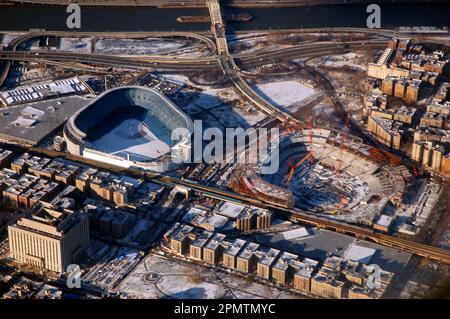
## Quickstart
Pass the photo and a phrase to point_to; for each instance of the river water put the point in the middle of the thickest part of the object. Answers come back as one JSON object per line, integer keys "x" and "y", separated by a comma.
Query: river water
{"x": 25, "y": 17}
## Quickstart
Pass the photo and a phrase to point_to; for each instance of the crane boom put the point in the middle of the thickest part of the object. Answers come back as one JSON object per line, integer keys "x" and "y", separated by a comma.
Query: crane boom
{"x": 291, "y": 174}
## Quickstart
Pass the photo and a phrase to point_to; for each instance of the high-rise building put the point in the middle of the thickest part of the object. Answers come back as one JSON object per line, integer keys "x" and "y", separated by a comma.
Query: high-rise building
{"x": 212, "y": 250}
{"x": 246, "y": 260}
{"x": 304, "y": 272}
{"x": 263, "y": 219}
{"x": 197, "y": 244}
{"x": 179, "y": 241}
{"x": 436, "y": 160}
{"x": 231, "y": 252}
{"x": 388, "y": 85}
{"x": 267, "y": 257}
{"x": 49, "y": 239}
{"x": 417, "y": 151}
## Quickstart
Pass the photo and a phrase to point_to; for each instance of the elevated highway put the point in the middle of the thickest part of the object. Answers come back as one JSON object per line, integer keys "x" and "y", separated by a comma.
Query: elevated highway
{"x": 112, "y": 60}
{"x": 220, "y": 39}
{"x": 228, "y": 65}
{"x": 257, "y": 58}
{"x": 231, "y": 70}
{"x": 14, "y": 44}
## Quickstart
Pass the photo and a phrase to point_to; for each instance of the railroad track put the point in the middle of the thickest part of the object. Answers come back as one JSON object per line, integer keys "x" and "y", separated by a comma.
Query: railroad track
{"x": 14, "y": 44}
{"x": 406, "y": 245}
{"x": 419, "y": 249}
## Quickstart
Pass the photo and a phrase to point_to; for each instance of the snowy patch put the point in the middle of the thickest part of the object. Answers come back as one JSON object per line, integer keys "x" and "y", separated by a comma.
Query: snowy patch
{"x": 137, "y": 47}
{"x": 285, "y": 93}
{"x": 191, "y": 281}
{"x": 295, "y": 233}
{"x": 213, "y": 105}
{"x": 83, "y": 45}
{"x": 359, "y": 253}
{"x": 7, "y": 38}
{"x": 132, "y": 137}
{"x": 350, "y": 59}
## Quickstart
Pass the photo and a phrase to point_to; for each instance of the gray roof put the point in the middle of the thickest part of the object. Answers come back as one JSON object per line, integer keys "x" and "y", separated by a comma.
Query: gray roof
{"x": 54, "y": 116}
{"x": 322, "y": 242}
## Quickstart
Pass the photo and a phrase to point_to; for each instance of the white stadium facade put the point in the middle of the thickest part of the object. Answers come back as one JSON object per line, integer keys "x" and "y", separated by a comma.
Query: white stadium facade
{"x": 130, "y": 126}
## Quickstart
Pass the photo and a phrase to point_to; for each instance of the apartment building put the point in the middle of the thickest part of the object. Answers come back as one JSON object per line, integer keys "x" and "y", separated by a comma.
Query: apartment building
{"x": 49, "y": 239}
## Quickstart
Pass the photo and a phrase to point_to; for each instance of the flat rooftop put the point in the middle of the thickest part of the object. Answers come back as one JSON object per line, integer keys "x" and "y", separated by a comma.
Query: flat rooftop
{"x": 230, "y": 210}
{"x": 321, "y": 242}
{"x": 235, "y": 247}
{"x": 19, "y": 126}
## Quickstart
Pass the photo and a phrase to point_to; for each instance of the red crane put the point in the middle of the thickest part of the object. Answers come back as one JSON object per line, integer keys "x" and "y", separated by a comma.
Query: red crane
{"x": 315, "y": 122}
{"x": 311, "y": 145}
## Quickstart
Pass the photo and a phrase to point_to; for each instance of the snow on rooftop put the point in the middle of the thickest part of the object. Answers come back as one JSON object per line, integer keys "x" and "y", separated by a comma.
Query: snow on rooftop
{"x": 21, "y": 121}
{"x": 231, "y": 210}
{"x": 215, "y": 221}
{"x": 31, "y": 111}
{"x": 385, "y": 220}
{"x": 295, "y": 233}
{"x": 359, "y": 253}
{"x": 192, "y": 213}
{"x": 63, "y": 88}
{"x": 129, "y": 180}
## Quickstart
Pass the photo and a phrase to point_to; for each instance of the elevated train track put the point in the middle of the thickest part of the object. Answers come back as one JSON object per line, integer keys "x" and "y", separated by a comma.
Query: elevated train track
{"x": 420, "y": 249}
{"x": 227, "y": 63}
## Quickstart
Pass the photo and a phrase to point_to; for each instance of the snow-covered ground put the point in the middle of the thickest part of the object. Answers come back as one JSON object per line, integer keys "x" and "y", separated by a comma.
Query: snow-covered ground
{"x": 190, "y": 282}
{"x": 321, "y": 108}
{"x": 7, "y": 38}
{"x": 213, "y": 106}
{"x": 137, "y": 47}
{"x": 286, "y": 94}
{"x": 132, "y": 137}
{"x": 83, "y": 45}
{"x": 352, "y": 60}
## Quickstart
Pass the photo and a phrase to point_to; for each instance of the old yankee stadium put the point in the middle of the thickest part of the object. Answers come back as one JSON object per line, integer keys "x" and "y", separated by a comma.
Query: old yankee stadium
{"x": 129, "y": 126}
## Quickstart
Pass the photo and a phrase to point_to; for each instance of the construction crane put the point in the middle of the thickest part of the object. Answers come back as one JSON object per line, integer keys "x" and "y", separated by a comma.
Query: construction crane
{"x": 315, "y": 122}
{"x": 294, "y": 167}
{"x": 343, "y": 139}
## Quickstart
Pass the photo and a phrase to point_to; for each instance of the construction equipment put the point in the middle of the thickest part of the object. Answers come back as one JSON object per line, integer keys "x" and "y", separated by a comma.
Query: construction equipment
{"x": 294, "y": 167}
{"x": 311, "y": 145}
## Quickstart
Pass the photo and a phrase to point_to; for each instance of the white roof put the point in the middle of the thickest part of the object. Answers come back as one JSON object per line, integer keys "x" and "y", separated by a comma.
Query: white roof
{"x": 384, "y": 220}
{"x": 359, "y": 253}
{"x": 295, "y": 233}
{"x": 23, "y": 122}
{"x": 130, "y": 180}
{"x": 231, "y": 210}
{"x": 215, "y": 221}
{"x": 191, "y": 214}
{"x": 29, "y": 110}
{"x": 63, "y": 88}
